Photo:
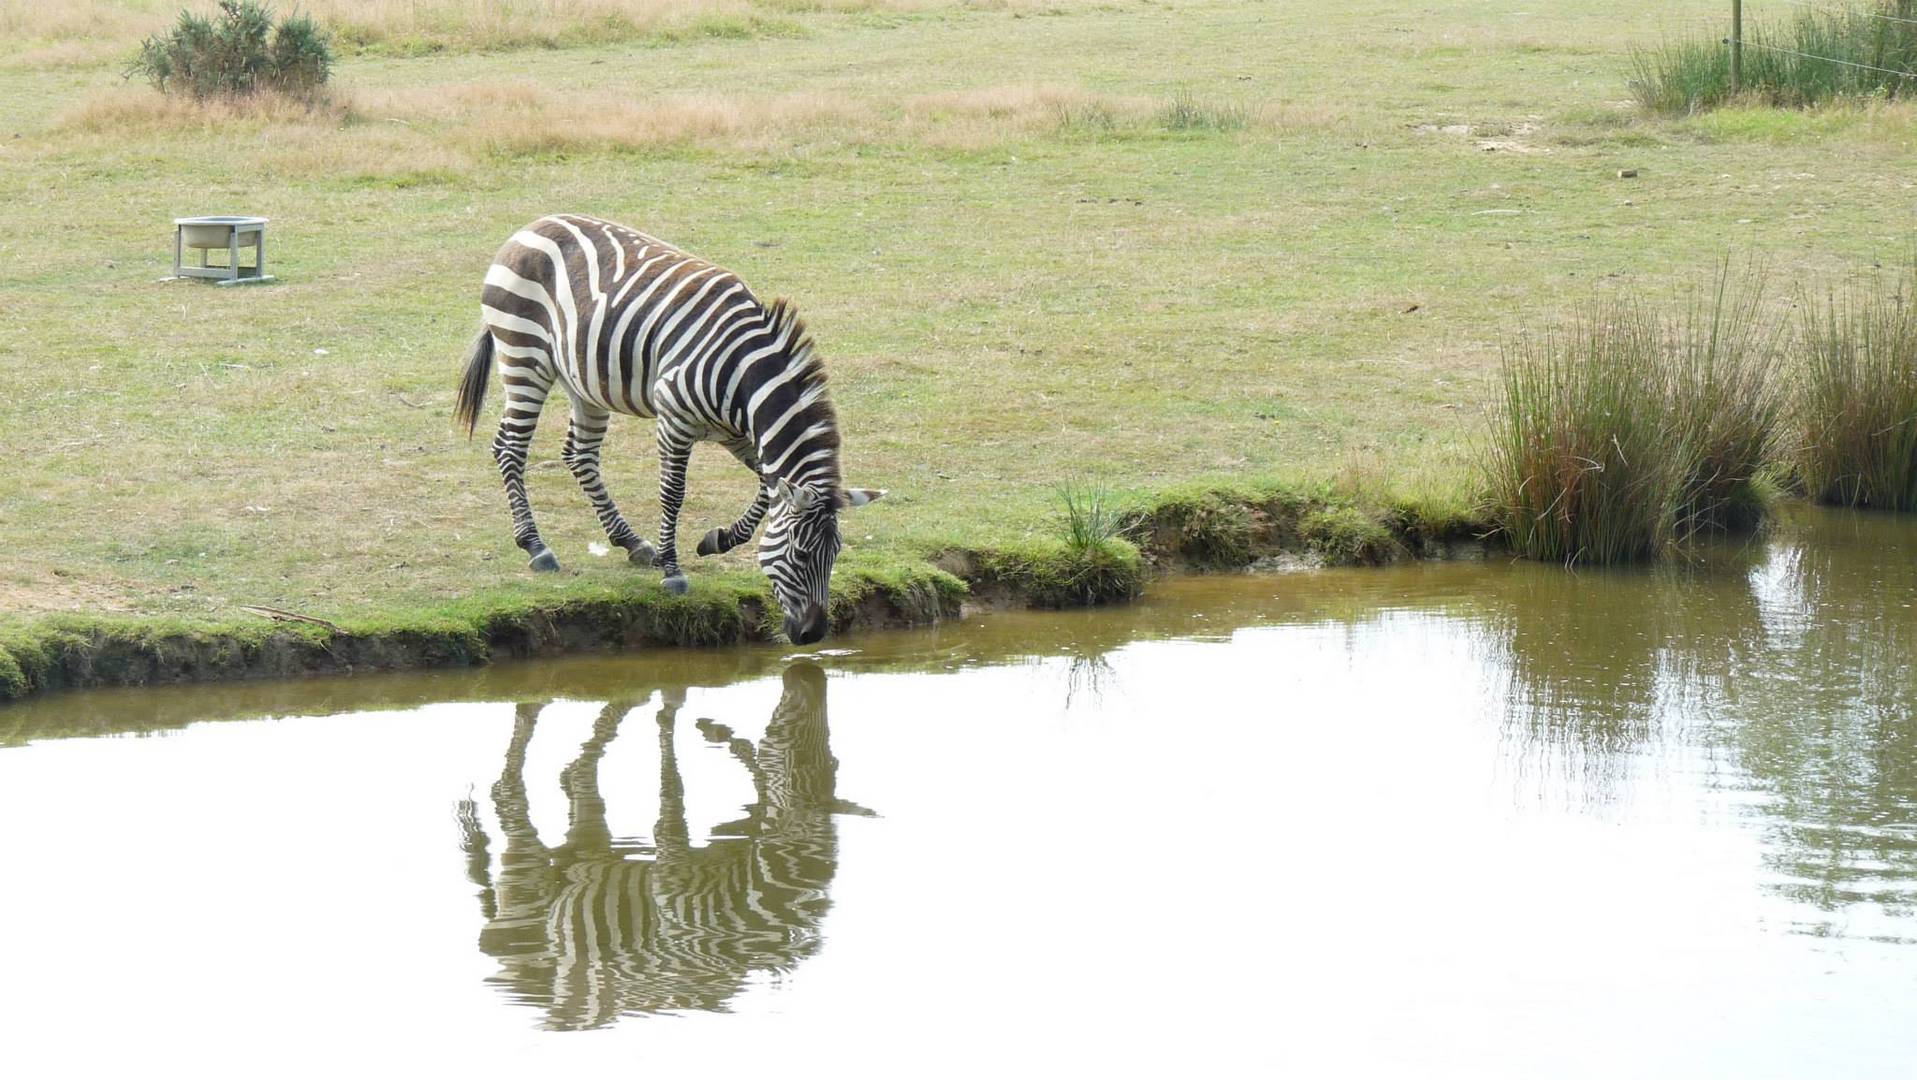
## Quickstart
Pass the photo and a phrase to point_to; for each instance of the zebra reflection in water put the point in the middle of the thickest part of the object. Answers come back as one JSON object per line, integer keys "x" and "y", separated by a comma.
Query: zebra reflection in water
{"x": 597, "y": 927}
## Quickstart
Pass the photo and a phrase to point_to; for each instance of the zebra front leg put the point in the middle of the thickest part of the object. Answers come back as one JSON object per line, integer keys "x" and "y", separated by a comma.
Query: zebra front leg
{"x": 670, "y": 832}
{"x": 526, "y": 389}
{"x": 720, "y": 541}
{"x": 583, "y": 441}
{"x": 675, "y": 450}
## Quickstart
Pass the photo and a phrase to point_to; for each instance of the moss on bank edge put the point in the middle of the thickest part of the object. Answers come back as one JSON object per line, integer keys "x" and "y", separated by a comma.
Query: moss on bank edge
{"x": 1226, "y": 528}
{"x": 1198, "y": 529}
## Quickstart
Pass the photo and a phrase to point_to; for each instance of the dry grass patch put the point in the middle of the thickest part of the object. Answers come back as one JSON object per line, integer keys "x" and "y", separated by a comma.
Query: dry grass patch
{"x": 132, "y": 111}
{"x": 327, "y": 136}
{"x": 433, "y": 129}
{"x": 432, "y": 25}
{"x": 522, "y": 117}
{"x": 57, "y": 33}
{"x": 967, "y": 119}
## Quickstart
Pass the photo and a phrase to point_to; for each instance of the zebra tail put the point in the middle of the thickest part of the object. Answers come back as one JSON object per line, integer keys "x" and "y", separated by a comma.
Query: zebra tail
{"x": 472, "y": 386}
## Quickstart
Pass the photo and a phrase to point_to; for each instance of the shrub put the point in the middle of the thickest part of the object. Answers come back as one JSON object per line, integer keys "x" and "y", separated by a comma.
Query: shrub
{"x": 1858, "y": 401}
{"x": 236, "y": 53}
{"x": 1817, "y": 55}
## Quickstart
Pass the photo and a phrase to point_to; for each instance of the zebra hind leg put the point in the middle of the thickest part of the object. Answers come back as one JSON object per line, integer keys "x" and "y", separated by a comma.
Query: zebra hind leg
{"x": 525, "y": 396}
{"x": 583, "y": 441}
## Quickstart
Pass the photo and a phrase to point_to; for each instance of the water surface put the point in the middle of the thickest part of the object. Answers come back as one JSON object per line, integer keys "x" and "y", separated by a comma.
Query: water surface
{"x": 1454, "y": 820}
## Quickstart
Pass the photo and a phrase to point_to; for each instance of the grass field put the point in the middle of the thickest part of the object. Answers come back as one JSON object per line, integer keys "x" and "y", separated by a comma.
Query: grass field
{"x": 1147, "y": 245}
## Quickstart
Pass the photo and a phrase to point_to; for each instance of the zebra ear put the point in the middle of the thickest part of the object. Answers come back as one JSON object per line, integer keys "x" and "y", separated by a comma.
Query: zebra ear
{"x": 798, "y": 496}
{"x": 782, "y": 491}
{"x": 861, "y": 496}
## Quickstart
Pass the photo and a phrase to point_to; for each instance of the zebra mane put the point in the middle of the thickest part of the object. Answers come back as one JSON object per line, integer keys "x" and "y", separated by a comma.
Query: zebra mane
{"x": 786, "y": 325}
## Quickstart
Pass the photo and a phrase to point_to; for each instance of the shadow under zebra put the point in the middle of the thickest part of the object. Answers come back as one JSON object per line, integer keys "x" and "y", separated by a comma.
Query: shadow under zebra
{"x": 598, "y": 927}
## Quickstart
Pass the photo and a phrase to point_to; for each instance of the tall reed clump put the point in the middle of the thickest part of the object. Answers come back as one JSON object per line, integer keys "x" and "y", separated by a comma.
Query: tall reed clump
{"x": 1820, "y": 53}
{"x": 1634, "y": 429}
{"x": 1723, "y": 361}
{"x": 236, "y": 53}
{"x": 1584, "y": 460}
{"x": 1857, "y": 404}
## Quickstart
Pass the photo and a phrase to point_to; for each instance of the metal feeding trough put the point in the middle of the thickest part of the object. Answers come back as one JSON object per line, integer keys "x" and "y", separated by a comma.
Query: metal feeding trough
{"x": 226, "y": 233}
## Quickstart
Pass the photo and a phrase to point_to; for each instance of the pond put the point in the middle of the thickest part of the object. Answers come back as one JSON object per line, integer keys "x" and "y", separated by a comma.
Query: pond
{"x": 1450, "y": 819}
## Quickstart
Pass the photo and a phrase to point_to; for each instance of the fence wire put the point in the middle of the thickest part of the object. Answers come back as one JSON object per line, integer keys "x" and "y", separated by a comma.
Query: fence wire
{"x": 1865, "y": 12}
{"x": 1748, "y": 43}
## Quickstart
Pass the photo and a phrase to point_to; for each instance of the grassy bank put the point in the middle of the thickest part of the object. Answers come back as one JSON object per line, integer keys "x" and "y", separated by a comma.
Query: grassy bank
{"x": 1212, "y": 529}
{"x": 1187, "y": 247}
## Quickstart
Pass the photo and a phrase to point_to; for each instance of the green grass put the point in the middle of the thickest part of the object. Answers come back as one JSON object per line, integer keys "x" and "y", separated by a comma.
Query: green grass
{"x": 1013, "y": 278}
{"x": 1817, "y": 54}
{"x": 1858, "y": 399}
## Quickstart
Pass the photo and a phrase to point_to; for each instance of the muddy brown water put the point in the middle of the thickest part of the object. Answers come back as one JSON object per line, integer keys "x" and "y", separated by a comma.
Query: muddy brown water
{"x": 1457, "y": 820}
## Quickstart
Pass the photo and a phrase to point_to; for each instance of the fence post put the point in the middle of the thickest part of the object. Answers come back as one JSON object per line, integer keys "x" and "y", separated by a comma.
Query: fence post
{"x": 1737, "y": 45}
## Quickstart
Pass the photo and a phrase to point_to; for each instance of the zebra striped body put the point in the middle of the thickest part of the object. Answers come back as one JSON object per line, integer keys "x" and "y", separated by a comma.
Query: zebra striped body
{"x": 627, "y": 323}
{"x": 596, "y": 927}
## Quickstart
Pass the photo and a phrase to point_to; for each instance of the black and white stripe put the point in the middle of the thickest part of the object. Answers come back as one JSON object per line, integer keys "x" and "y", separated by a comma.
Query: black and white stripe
{"x": 627, "y": 323}
{"x": 597, "y": 927}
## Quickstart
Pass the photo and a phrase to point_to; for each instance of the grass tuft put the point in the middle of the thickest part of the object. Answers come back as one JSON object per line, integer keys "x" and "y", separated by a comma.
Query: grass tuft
{"x": 1858, "y": 401}
{"x": 1636, "y": 428}
{"x": 1185, "y": 112}
{"x": 1723, "y": 359}
{"x": 1091, "y": 516}
{"x": 1583, "y": 462}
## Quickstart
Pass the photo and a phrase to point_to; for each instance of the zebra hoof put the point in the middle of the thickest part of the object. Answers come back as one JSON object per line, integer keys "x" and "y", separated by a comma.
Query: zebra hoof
{"x": 640, "y": 553}
{"x": 545, "y": 561}
{"x": 709, "y": 544}
{"x": 677, "y": 585}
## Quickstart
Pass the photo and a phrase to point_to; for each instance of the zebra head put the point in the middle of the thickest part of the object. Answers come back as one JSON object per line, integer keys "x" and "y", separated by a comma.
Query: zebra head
{"x": 800, "y": 544}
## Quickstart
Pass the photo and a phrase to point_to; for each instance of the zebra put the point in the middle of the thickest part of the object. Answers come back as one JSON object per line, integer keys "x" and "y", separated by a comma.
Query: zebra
{"x": 597, "y": 927}
{"x": 628, "y": 323}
